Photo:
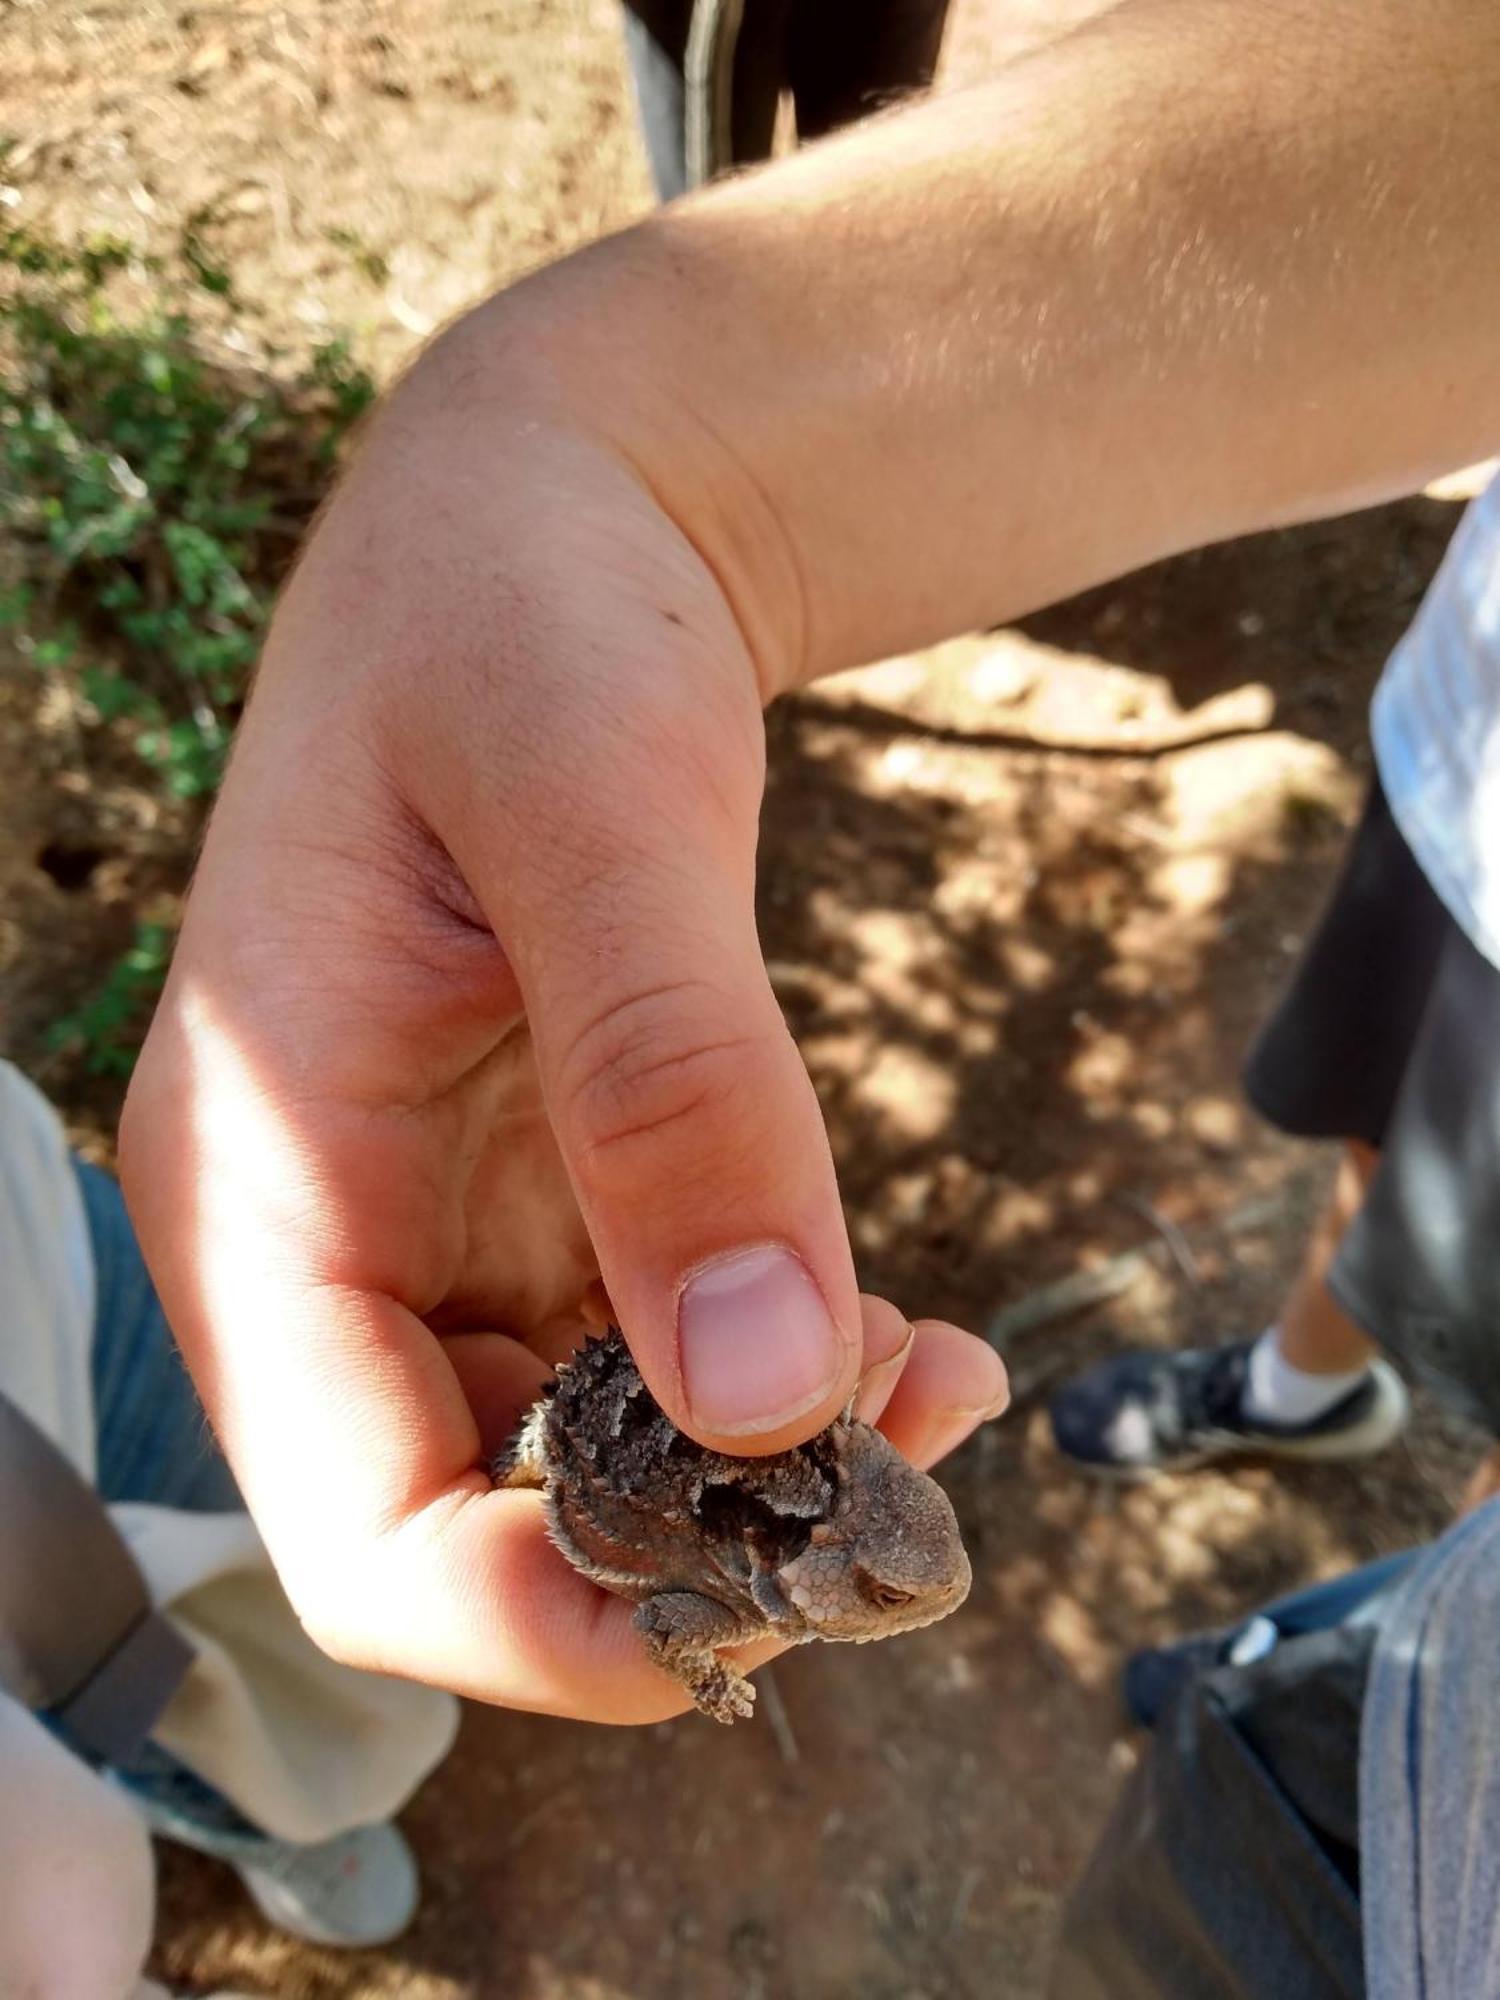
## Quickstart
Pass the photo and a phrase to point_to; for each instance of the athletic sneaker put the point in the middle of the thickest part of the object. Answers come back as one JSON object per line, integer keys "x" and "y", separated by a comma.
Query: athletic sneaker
{"x": 1154, "y": 1412}
{"x": 360, "y": 1888}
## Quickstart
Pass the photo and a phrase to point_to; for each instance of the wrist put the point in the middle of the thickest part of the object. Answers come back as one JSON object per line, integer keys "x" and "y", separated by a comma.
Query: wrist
{"x": 590, "y": 357}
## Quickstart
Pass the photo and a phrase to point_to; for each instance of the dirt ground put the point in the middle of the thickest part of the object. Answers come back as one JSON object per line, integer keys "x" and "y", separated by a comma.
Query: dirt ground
{"x": 1024, "y": 900}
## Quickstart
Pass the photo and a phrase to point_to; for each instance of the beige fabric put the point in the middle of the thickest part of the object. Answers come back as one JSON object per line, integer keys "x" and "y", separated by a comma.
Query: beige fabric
{"x": 77, "y": 1880}
{"x": 305, "y": 1748}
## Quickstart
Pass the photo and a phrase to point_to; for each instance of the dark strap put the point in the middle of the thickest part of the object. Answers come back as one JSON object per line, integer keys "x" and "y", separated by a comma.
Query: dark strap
{"x": 79, "y": 1637}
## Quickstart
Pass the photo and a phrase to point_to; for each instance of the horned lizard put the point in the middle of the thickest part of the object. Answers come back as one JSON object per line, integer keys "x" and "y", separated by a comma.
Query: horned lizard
{"x": 838, "y": 1539}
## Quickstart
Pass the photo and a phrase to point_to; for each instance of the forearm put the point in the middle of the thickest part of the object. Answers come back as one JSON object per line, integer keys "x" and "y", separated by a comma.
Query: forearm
{"x": 1204, "y": 267}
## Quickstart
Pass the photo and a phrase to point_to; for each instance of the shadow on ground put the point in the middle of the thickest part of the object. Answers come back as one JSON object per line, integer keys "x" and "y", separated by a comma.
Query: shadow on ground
{"x": 1023, "y": 979}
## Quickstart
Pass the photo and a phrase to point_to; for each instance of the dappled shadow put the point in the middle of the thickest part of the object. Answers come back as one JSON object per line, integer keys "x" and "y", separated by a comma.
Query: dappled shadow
{"x": 990, "y": 997}
{"x": 1022, "y": 996}
{"x": 1311, "y": 612}
{"x": 1023, "y": 981}
{"x": 869, "y": 719}
{"x": 1010, "y": 938}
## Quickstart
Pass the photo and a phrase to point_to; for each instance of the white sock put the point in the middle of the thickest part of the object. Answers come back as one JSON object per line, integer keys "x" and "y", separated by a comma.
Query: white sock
{"x": 1278, "y": 1393}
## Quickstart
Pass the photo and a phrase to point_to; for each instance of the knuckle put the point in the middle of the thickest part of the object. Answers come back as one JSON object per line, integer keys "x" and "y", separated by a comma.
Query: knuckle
{"x": 657, "y": 1073}
{"x": 340, "y": 1637}
{"x": 695, "y": 729}
{"x": 339, "y": 1645}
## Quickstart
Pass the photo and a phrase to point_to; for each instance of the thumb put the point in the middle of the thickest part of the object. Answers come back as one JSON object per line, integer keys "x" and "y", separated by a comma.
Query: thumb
{"x": 686, "y": 1120}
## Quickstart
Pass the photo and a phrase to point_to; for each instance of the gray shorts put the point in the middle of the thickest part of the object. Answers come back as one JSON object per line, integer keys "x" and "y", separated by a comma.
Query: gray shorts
{"x": 1390, "y": 1032}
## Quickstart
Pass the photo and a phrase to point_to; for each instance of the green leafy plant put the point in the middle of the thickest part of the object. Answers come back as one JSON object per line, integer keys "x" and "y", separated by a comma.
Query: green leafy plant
{"x": 153, "y": 488}
{"x": 106, "y": 1030}
{"x": 366, "y": 259}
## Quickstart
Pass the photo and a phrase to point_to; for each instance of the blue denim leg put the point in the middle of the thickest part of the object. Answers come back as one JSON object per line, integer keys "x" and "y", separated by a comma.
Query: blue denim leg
{"x": 153, "y": 1439}
{"x": 1153, "y": 1678}
{"x": 1360, "y": 1595}
{"x": 153, "y": 1443}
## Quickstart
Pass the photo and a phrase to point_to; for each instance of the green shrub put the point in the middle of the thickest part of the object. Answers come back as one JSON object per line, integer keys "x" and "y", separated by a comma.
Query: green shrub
{"x": 153, "y": 487}
{"x": 105, "y": 1032}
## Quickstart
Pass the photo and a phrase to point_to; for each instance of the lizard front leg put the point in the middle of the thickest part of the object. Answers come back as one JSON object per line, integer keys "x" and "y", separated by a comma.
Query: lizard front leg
{"x": 522, "y": 1460}
{"x": 682, "y": 1632}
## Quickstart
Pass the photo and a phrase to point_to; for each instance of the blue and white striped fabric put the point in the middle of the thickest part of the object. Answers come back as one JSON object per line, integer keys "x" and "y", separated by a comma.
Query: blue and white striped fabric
{"x": 1436, "y": 726}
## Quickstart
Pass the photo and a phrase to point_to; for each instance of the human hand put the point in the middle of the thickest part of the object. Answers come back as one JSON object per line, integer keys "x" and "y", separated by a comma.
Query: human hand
{"x": 468, "y": 1009}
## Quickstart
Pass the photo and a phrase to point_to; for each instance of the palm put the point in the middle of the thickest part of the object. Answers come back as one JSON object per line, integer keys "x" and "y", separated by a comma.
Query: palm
{"x": 524, "y": 1259}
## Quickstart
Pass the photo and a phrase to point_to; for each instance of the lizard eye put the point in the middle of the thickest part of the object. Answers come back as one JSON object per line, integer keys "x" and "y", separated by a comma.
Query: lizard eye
{"x": 884, "y": 1596}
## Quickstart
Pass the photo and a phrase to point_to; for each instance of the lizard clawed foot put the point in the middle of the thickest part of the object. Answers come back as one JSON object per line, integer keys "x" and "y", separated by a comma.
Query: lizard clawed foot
{"x": 682, "y": 1632}
{"x": 722, "y": 1692}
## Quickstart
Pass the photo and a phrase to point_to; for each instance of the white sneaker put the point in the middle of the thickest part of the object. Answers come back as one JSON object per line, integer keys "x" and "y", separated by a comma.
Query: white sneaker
{"x": 1163, "y": 1411}
{"x": 360, "y": 1888}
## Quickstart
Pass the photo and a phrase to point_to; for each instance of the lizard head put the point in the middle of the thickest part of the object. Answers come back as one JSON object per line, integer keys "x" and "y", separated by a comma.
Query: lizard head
{"x": 888, "y": 1558}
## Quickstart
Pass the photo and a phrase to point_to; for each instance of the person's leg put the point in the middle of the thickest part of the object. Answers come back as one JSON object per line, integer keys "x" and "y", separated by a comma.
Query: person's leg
{"x": 1331, "y": 1063}
{"x": 1429, "y": 1777}
{"x": 1313, "y": 1333}
{"x": 1310, "y": 1386}
{"x": 154, "y": 1444}
{"x": 1313, "y": 1354}
{"x": 77, "y": 1885}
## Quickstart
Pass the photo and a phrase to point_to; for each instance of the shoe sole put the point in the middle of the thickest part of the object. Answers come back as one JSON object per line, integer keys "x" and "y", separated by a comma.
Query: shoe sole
{"x": 293, "y": 1920}
{"x": 1381, "y": 1426}
{"x": 264, "y": 1887}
